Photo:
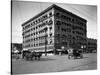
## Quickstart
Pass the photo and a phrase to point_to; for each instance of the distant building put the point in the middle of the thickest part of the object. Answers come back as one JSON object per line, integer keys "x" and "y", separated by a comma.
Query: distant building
{"x": 54, "y": 28}
{"x": 91, "y": 45}
{"x": 16, "y": 46}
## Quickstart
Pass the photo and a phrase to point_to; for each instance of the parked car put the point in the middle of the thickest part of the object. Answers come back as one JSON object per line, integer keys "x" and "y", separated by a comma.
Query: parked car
{"x": 75, "y": 53}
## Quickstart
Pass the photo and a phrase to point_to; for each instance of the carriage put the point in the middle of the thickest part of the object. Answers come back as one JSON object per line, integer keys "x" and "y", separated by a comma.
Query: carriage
{"x": 29, "y": 55}
{"x": 75, "y": 53}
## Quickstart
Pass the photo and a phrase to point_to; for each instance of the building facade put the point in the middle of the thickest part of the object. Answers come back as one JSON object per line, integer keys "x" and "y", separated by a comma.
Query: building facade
{"x": 91, "y": 45}
{"x": 53, "y": 29}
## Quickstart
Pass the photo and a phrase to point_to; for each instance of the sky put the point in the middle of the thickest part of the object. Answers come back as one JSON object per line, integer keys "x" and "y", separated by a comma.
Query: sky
{"x": 24, "y": 10}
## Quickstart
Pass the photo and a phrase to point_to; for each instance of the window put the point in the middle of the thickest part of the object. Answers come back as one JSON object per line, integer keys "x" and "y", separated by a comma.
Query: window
{"x": 63, "y": 30}
{"x": 69, "y": 37}
{"x": 50, "y": 28}
{"x": 57, "y": 14}
{"x": 73, "y": 20}
{"x": 58, "y": 27}
{"x": 50, "y": 14}
{"x": 58, "y": 23}
{"x": 27, "y": 26}
{"x": 57, "y": 35}
{"x": 36, "y": 27}
{"x": 74, "y": 38}
{"x": 36, "y": 21}
{"x": 39, "y": 20}
{"x": 63, "y": 16}
{"x": 33, "y": 22}
{"x": 44, "y": 17}
{"x": 63, "y": 36}
{"x": 50, "y": 41}
{"x": 69, "y": 25}
{"x": 46, "y": 22}
{"x": 68, "y": 18}
{"x": 50, "y": 22}
{"x": 34, "y": 45}
{"x": 68, "y": 30}
{"x": 73, "y": 32}
{"x": 50, "y": 34}
{"x": 45, "y": 29}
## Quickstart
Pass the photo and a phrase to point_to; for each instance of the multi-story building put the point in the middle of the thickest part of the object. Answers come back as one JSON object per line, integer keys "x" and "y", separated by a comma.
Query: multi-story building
{"x": 53, "y": 29}
{"x": 91, "y": 45}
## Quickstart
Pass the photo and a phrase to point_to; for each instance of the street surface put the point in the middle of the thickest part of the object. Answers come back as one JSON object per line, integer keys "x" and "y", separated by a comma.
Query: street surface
{"x": 54, "y": 63}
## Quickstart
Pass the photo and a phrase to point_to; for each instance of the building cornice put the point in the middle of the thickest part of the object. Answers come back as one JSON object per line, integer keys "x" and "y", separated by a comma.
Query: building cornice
{"x": 50, "y": 7}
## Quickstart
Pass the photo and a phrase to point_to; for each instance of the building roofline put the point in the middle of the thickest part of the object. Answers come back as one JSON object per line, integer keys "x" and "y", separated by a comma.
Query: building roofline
{"x": 50, "y": 7}
{"x": 69, "y": 12}
{"x": 42, "y": 12}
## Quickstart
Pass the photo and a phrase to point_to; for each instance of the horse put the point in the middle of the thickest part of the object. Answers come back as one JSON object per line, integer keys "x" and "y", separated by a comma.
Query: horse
{"x": 26, "y": 55}
{"x": 30, "y": 55}
{"x": 37, "y": 55}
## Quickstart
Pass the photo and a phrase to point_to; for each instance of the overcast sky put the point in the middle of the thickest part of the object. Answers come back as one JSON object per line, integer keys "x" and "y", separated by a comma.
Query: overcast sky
{"x": 24, "y": 10}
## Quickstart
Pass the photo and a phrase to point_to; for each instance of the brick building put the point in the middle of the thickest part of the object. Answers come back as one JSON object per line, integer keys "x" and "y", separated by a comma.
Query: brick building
{"x": 53, "y": 29}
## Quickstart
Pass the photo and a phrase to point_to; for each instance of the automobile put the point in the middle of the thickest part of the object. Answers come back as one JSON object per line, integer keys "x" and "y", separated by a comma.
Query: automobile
{"x": 75, "y": 53}
{"x": 94, "y": 51}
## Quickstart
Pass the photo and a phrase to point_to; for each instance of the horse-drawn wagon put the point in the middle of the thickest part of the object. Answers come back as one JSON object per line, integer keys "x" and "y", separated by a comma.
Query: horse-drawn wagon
{"x": 29, "y": 55}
